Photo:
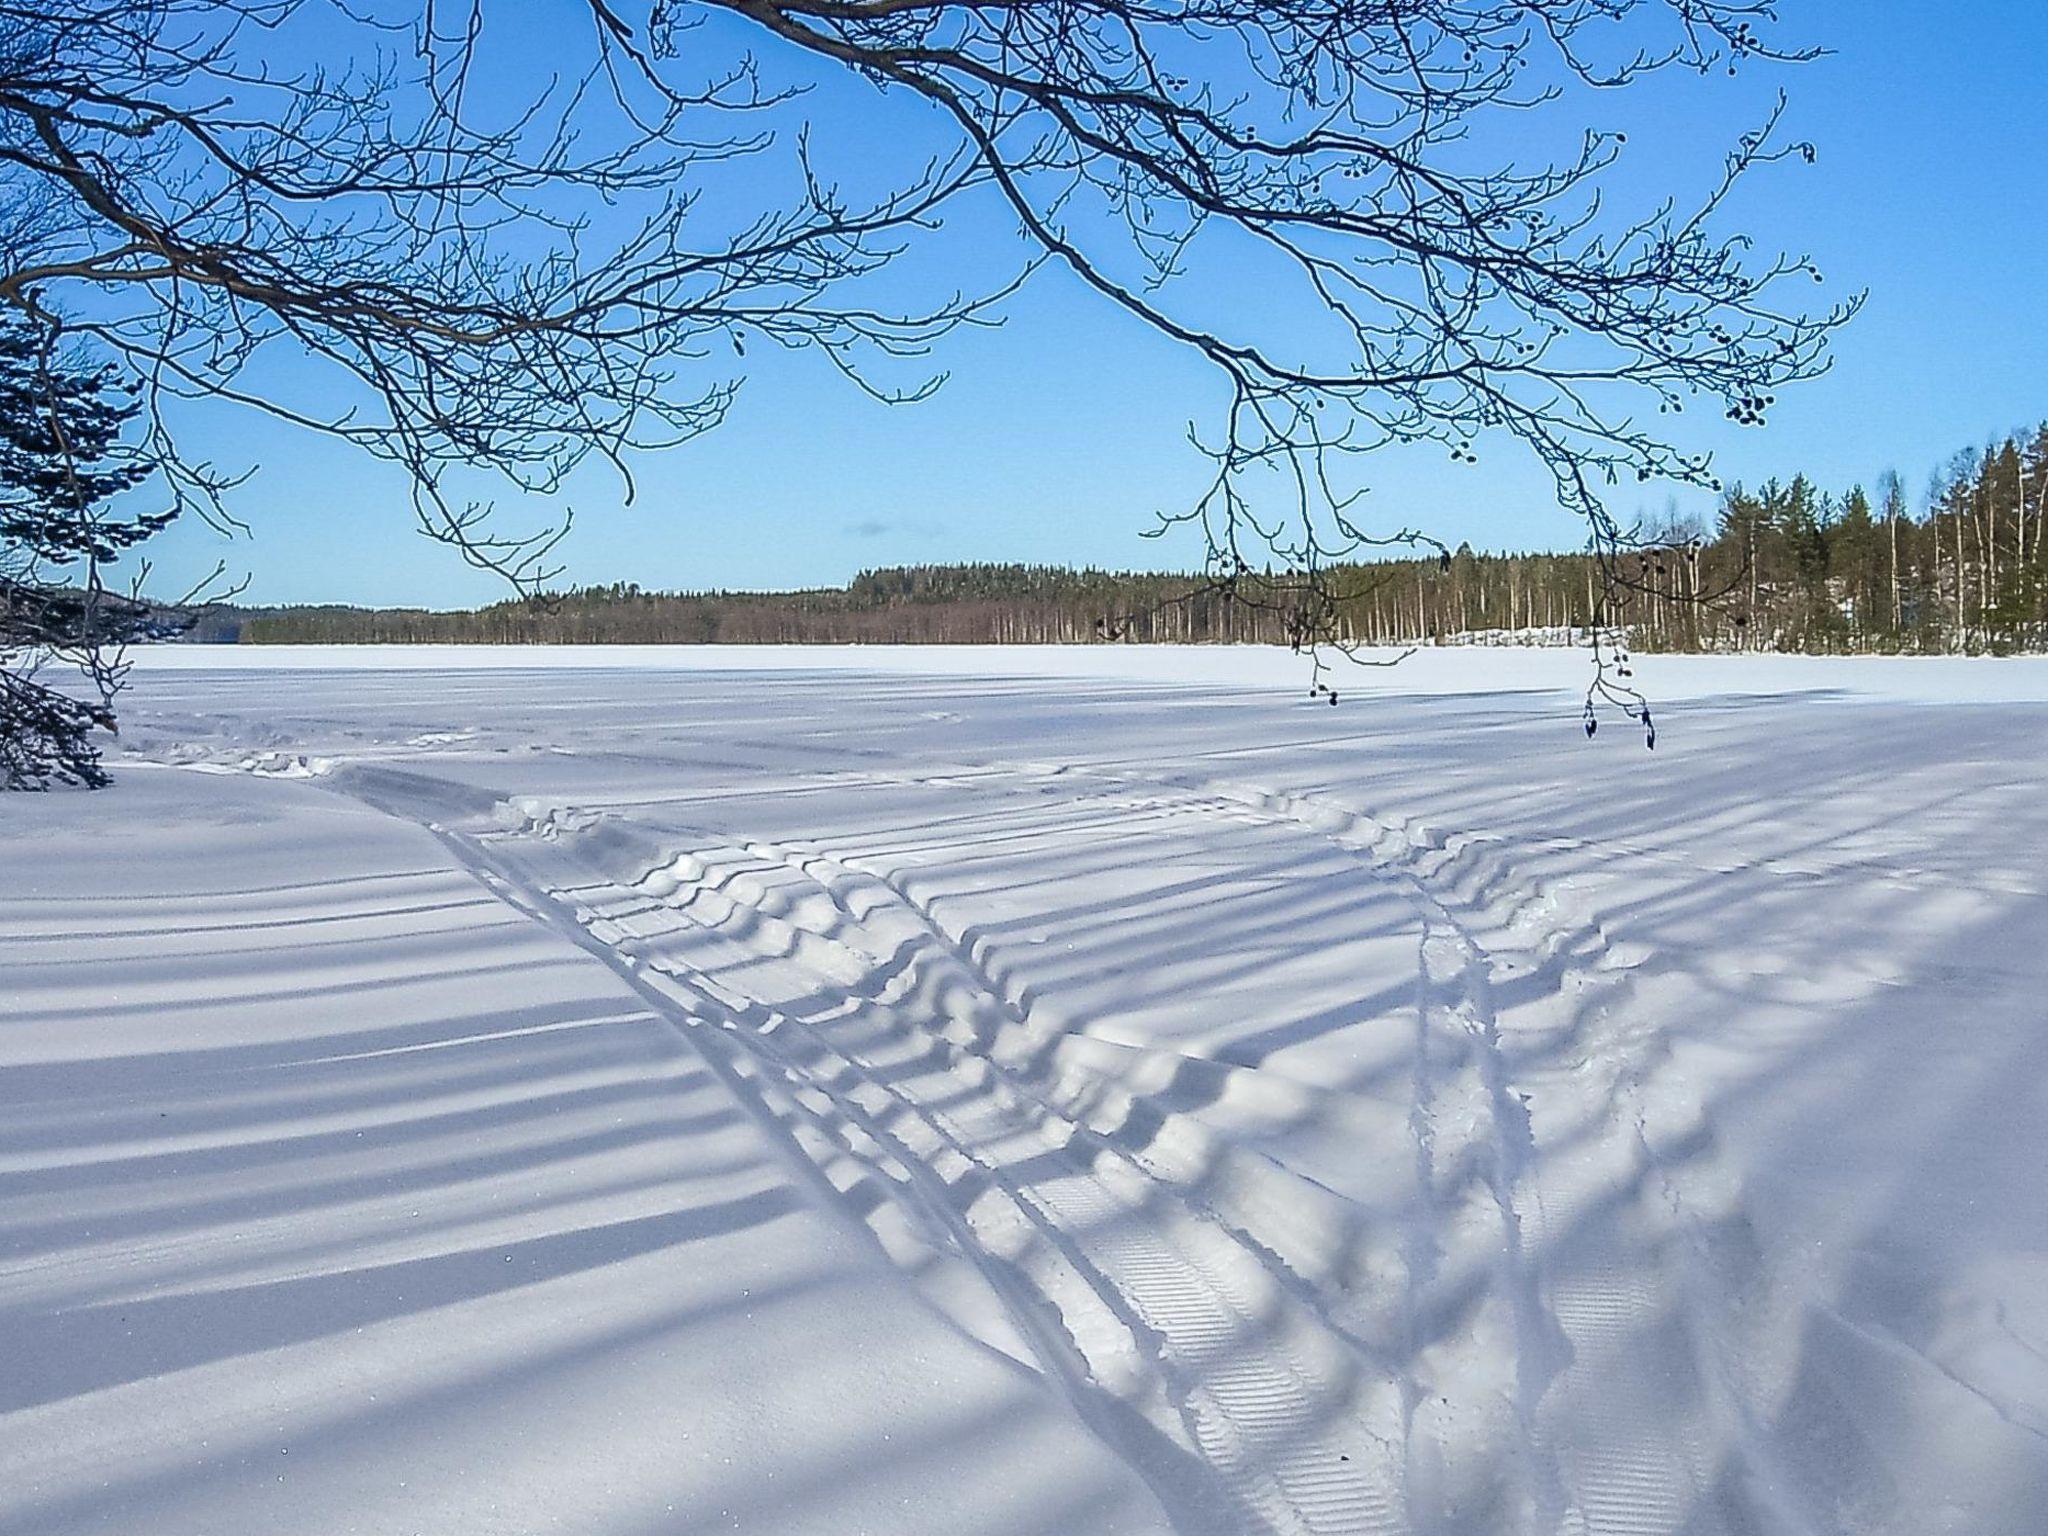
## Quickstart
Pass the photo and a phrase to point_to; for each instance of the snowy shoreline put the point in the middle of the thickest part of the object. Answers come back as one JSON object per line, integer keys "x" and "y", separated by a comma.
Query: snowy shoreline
{"x": 1958, "y": 679}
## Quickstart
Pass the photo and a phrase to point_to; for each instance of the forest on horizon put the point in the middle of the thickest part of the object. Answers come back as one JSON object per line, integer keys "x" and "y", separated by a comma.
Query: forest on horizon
{"x": 1787, "y": 566}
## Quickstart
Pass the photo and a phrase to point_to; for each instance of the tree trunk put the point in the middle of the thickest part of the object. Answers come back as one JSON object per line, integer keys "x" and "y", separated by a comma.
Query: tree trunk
{"x": 1962, "y": 629}
{"x": 1897, "y": 609}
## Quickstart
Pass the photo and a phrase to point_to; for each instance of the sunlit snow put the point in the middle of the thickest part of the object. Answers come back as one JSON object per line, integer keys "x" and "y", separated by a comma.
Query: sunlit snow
{"x": 1057, "y": 1091}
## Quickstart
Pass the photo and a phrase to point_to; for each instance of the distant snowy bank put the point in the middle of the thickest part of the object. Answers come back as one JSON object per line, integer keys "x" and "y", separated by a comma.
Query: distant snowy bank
{"x": 1430, "y": 670}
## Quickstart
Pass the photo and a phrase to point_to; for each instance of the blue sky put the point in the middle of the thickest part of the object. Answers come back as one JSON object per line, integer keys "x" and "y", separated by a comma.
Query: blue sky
{"x": 1059, "y": 435}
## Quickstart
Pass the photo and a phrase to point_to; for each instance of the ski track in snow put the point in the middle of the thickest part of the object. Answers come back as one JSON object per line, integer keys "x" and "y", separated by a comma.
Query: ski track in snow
{"x": 1593, "y": 1413}
{"x": 1161, "y": 1309}
{"x": 1144, "y": 1268}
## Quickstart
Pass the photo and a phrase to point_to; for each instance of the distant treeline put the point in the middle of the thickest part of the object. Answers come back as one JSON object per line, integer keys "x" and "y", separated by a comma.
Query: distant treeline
{"x": 1787, "y": 566}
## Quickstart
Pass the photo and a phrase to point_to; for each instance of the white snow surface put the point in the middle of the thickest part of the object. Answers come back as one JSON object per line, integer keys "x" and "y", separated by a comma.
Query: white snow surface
{"x": 1428, "y": 669}
{"x": 634, "y": 1091}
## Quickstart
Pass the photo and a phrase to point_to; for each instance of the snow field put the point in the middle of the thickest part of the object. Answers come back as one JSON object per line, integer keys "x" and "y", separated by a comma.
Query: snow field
{"x": 801, "y": 1091}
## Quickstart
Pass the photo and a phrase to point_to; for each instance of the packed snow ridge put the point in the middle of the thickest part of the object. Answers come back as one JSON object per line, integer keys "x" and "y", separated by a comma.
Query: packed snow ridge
{"x": 635, "y": 1091}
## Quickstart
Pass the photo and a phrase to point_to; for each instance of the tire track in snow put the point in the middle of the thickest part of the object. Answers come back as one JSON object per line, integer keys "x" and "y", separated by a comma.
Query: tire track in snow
{"x": 1594, "y": 1459}
{"x": 893, "y": 1197}
{"x": 1454, "y": 976}
{"x": 1621, "y": 1359}
{"x": 1255, "y": 1377}
{"x": 1625, "y": 1481}
{"x": 1245, "y": 1397}
{"x": 1166, "y": 1308}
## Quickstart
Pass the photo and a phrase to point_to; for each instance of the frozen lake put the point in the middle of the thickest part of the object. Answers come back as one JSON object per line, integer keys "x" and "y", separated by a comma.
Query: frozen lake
{"x": 1035, "y": 1091}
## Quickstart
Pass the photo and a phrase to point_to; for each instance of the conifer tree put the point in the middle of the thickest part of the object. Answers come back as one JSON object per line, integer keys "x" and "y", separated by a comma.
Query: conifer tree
{"x": 62, "y": 466}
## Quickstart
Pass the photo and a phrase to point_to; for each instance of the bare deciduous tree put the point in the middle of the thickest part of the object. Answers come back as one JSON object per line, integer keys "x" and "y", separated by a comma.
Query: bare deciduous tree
{"x": 192, "y": 182}
{"x": 519, "y": 257}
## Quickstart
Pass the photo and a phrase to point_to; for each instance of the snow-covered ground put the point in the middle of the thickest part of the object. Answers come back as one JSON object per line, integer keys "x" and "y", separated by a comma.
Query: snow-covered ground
{"x": 1029, "y": 1091}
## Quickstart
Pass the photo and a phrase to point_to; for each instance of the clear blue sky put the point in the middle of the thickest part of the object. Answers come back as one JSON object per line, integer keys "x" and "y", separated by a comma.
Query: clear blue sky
{"x": 1059, "y": 435}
